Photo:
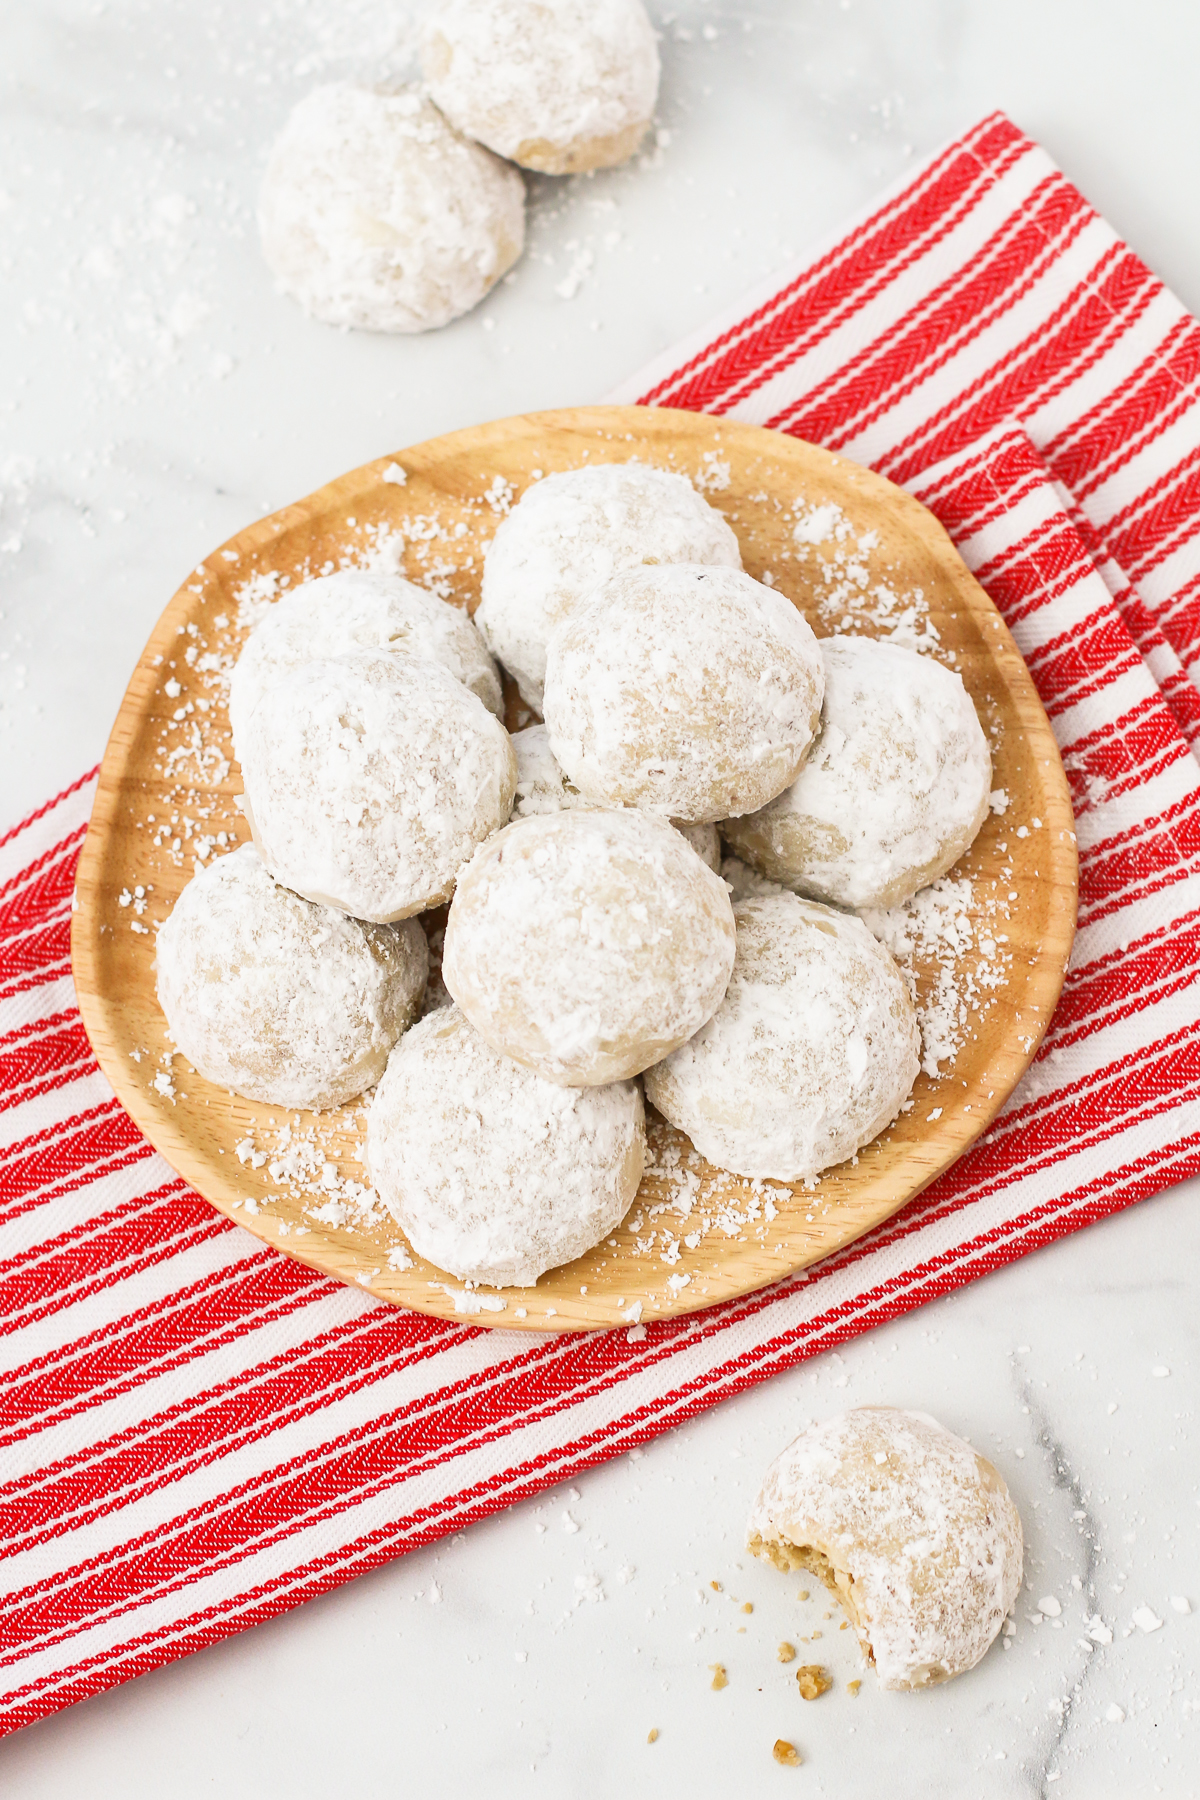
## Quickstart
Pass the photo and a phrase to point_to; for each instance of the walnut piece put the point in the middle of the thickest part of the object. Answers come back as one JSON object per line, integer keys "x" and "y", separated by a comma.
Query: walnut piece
{"x": 812, "y": 1681}
{"x": 787, "y": 1754}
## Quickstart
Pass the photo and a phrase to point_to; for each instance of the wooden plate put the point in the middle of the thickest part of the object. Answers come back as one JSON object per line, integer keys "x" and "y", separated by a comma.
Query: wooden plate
{"x": 168, "y": 791}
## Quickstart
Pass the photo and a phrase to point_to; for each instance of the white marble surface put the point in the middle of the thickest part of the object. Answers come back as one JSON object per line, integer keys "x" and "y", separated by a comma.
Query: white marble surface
{"x": 155, "y": 395}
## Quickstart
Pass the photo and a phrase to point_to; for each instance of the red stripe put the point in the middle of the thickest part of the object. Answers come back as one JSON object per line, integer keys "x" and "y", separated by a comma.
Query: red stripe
{"x": 48, "y": 806}
{"x": 939, "y": 1276}
{"x": 847, "y": 276}
{"x": 192, "y": 1321}
{"x": 940, "y": 327}
{"x": 814, "y": 317}
{"x": 1079, "y": 334}
{"x": 1157, "y": 393}
{"x": 61, "y": 1150}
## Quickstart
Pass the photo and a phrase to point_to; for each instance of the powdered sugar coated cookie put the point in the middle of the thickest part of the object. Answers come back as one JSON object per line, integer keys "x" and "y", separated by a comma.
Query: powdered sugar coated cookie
{"x": 913, "y": 1531}
{"x": 693, "y": 692}
{"x": 894, "y": 790}
{"x": 587, "y": 944}
{"x": 567, "y": 534}
{"x": 543, "y": 788}
{"x": 556, "y": 85}
{"x": 278, "y": 999}
{"x": 492, "y": 1173}
{"x": 812, "y": 1052}
{"x": 375, "y": 212}
{"x": 359, "y": 609}
{"x": 371, "y": 778}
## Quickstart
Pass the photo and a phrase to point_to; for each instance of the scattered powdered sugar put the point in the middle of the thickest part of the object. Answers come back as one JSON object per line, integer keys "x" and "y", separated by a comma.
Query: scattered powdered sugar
{"x": 697, "y": 1200}
{"x": 954, "y": 964}
{"x": 849, "y": 594}
{"x": 300, "y": 1161}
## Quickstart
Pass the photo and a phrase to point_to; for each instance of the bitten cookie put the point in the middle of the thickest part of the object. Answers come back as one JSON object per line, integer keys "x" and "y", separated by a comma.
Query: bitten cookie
{"x": 492, "y": 1173}
{"x": 278, "y": 999}
{"x": 913, "y": 1532}
{"x": 555, "y": 85}
{"x": 688, "y": 691}
{"x": 894, "y": 789}
{"x": 812, "y": 1052}
{"x": 375, "y": 212}
{"x": 359, "y": 609}
{"x": 369, "y": 780}
{"x": 567, "y": 534}
{"x": 587, "y": 944}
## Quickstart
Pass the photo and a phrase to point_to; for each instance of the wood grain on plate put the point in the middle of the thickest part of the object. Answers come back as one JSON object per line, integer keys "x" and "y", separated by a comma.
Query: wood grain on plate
{"x": 168, "y": 782}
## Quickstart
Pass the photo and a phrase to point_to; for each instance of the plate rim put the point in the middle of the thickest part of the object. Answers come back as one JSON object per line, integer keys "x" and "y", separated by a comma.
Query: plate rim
{"x": 950, "y": 1140}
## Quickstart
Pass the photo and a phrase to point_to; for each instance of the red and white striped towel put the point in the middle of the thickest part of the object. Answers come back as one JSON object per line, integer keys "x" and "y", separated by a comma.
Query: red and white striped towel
{"x": 196, "y": 1433}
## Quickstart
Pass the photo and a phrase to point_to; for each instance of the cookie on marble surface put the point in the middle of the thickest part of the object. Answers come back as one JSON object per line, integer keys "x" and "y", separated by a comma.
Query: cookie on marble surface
{"x": 370, "y": 779}
{"x": 374, "y": 212}
{"x": 493, "y": 1173}
{"x": 587, "y": 944}
{"x": 278, "y": 999}
{"x": 914, "y": 1533}
{"x": 688, "y": 691}
{"x": 894, "y": 789}
{"x": 810, "y": 1055}
{"x": 568, "y": 533}
{"x": 555, "y": 85}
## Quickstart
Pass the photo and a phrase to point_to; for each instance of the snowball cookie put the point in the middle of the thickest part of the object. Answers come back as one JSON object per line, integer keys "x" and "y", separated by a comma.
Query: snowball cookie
{"x": 278, "y": 999}
{"x": 359, "y": 609}
{"x": 543, "y": 788}
{"x": 556, "y": 85}
{"x": 492, "y": 1173}
{"x": 895, "y": 787}
{"x": 375, "y": 212}
{"x": 369, "y": 780}
{"x": 568, "y": 533}
{"x": 914, "y": 1533}
{"x": 688, "y": 691}
{"x": 588, "y": 944}
{"x": 811, "y": 1054}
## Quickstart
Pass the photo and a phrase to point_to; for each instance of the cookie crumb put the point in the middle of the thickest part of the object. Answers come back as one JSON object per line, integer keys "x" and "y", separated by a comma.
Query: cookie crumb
{"x": 852, "y": 1687}
{"x": 787, "y": 1754}
{"x": 720, "y": 1678}
{"x": 786, "y": 1653}
{"x": 812, "y": 1681}
{"x": 748, "y": 1606}
{"x": 652, "y": 1735}
{"x": 715, "y": 1586}
{"x": 803, "y": 1594}
{"x": 845, "y": 1625}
